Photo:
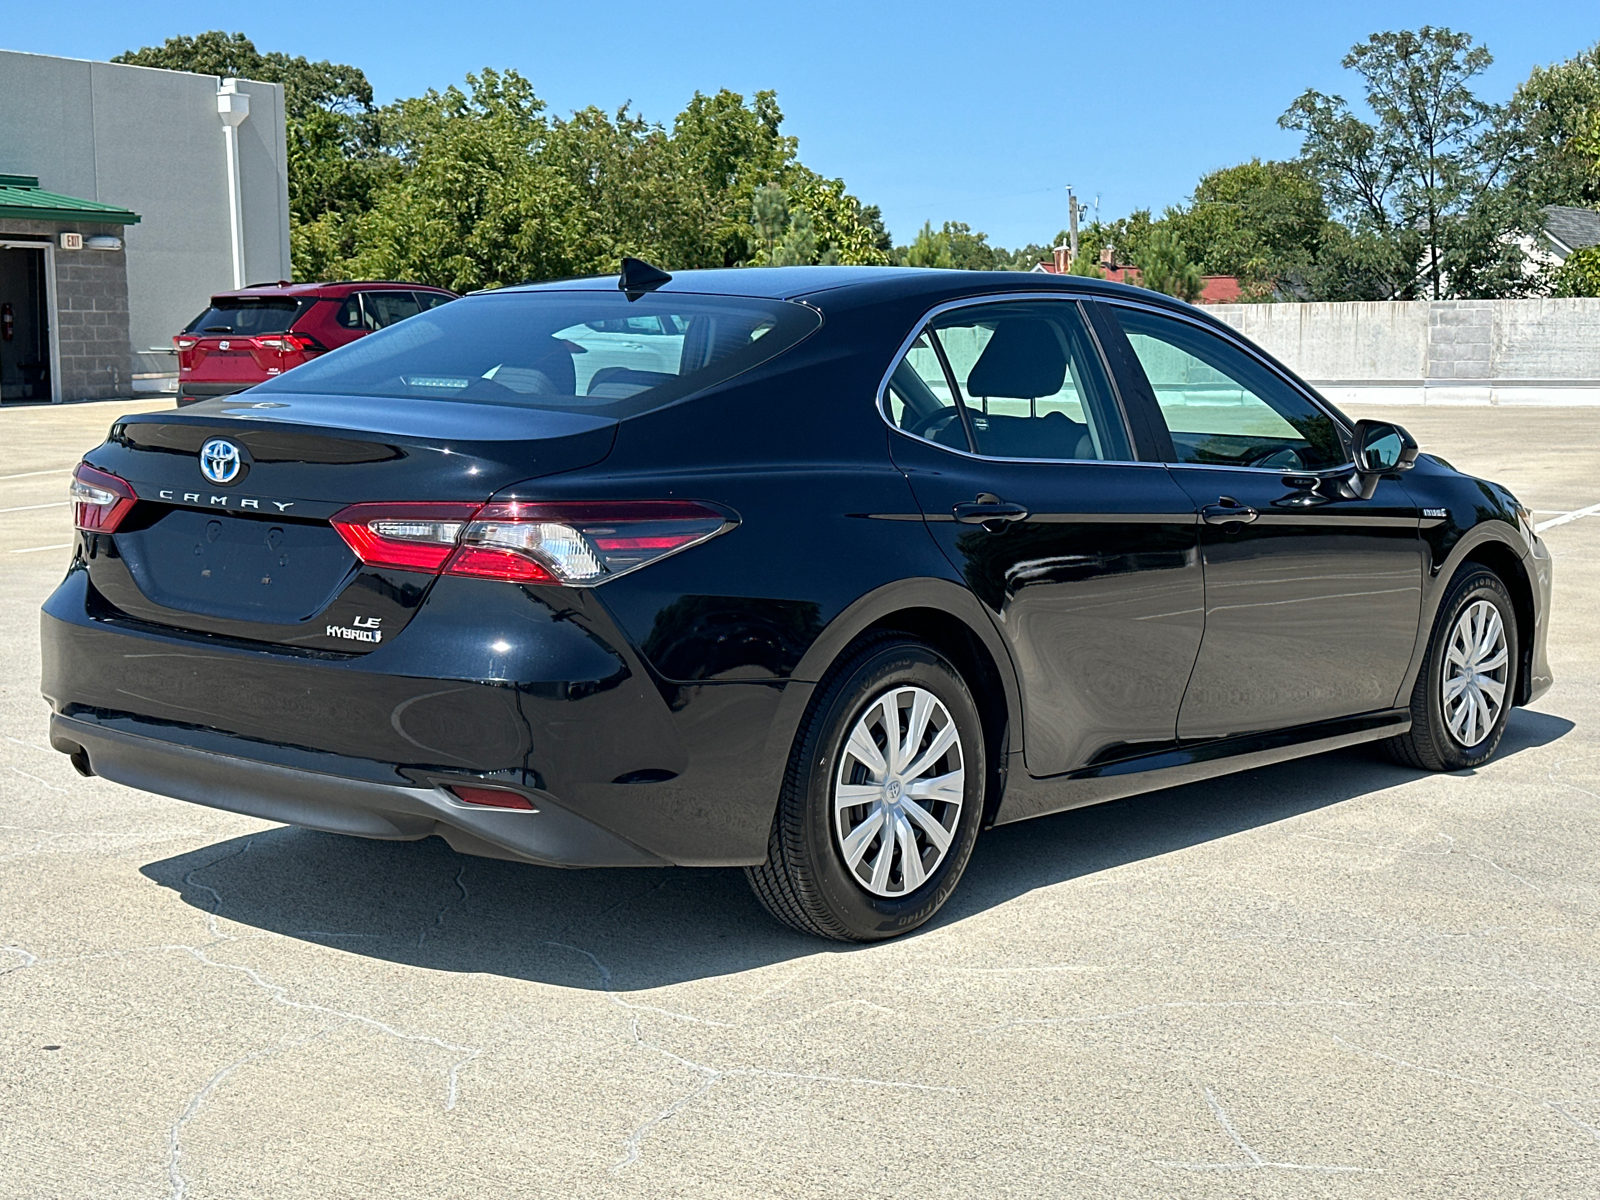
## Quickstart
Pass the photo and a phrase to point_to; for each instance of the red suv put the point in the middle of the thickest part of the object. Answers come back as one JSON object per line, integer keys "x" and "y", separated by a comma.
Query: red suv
{"x": 249, "y": 336}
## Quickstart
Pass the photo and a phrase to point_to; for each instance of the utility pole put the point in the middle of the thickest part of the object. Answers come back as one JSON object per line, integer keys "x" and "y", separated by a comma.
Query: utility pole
{"x": 1072, "y": 223}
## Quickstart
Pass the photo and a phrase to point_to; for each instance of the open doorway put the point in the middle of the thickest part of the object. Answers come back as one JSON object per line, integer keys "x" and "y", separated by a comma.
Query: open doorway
{"x": 24, "y": 324}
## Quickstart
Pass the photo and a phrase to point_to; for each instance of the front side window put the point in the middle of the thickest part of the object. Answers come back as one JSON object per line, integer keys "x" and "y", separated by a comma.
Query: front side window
{"x": 589, "y": 350}
{"x": 1027, "y": 375}
{"x": 1222, "y": 407}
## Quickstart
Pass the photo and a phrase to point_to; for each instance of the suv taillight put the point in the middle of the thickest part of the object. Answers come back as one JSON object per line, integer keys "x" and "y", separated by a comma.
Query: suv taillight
{"x": 99, "y": 499}
{"x": 567, "y": 542}
{"x": 288, "y": 343}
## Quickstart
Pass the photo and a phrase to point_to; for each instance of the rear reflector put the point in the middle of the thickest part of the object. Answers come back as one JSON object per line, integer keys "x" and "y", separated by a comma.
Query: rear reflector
{"x": 492, "y": 797}
{"x": 99, "y": 499}
{"x": 569, "y": 542}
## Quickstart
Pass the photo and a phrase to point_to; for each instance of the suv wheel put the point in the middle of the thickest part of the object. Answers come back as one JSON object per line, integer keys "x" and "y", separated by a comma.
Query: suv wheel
{"x": 882, "y": 799}
{"x": 1464, "y": 693}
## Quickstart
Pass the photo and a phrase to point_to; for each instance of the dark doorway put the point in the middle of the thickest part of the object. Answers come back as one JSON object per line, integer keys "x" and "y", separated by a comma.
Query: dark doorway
{"x": 24, "y": 325}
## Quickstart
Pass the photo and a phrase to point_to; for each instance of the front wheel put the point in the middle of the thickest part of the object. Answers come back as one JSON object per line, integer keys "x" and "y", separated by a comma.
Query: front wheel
{"x": 1468, "y": 681}
{"x": 882, "y": 799}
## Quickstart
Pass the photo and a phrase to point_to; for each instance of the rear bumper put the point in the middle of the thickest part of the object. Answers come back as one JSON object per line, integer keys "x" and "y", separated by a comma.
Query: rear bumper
{"x": 488, "y": 684}
{"x": 552, "y": 836}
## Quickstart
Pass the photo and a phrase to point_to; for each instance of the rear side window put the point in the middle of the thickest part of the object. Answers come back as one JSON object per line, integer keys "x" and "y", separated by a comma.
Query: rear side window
{"x": 594, "y": 351}
{"x": 249, "y": 315}
{"x": 1024, "y": 377}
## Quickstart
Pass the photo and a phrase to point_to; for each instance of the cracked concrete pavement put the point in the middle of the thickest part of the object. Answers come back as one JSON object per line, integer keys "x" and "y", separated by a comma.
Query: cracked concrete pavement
{"x": 1335, "y": 977}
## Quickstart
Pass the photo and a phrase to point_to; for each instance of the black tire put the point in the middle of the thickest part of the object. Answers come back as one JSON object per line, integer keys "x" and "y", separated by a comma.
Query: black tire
{"x": 1431, "y": 745}
{"x": 806, "y": 881}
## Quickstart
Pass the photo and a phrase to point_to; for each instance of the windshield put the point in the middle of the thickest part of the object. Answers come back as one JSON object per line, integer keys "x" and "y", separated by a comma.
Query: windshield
{"x": 248, "y": 315}
{"x": 591, "y": 351}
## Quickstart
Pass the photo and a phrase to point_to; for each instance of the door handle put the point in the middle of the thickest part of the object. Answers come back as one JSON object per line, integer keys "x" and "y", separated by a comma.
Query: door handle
{"x": 988, "y": 510}
{"x": 1226, "y": 511}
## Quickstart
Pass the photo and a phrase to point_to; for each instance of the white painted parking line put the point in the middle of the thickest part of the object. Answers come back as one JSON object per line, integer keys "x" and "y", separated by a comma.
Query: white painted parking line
{"x": 1566, "y": 517}
{"x": 31, "y": 474}
{"x": 36, "y": 549}
{"x": 30, "y": 507}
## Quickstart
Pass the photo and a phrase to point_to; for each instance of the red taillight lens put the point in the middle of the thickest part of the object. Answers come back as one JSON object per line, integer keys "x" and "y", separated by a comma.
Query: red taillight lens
{"x": 492, "y": 797}
{"x": 185, "y": 343}
{"x": 99, "y": 499}
{"x": 577, "y": 542}
{"x": 413, "y": 537}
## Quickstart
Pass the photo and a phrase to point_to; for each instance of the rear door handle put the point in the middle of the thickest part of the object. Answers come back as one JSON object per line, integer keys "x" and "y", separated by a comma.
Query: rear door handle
{"x": 1226, "y": 511}
{"x": 987, "y": 511}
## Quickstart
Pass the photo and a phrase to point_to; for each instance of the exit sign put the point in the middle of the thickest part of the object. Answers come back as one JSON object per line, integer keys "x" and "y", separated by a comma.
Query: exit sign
{"x": 72, "y": 241}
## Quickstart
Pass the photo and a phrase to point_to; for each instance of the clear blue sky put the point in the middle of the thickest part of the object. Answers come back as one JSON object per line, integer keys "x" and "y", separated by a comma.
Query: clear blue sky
{"x": 976, "y": 112}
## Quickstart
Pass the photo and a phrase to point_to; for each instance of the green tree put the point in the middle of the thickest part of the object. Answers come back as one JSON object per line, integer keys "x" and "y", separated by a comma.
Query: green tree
{"x": 729, "y": 148}
{"x": 1417, "y": 176}
{"x": 1554, "y": 108}
{"x": 928, "y": 249}
{"x": 1262, "y": 222}
{"x": 1164, "y": 265}
{"x": 480, "y": 204}
{"x": 1580, "y": 274}
{"x": 769, "y": 218}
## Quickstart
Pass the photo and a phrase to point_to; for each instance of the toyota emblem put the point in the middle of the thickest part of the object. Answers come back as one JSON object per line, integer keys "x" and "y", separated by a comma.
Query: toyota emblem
{"x": 220, "y": 461}
{"x": 224, "y": 345}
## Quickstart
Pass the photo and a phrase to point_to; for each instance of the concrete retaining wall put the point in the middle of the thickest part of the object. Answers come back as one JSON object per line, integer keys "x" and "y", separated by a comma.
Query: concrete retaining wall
{"x": 1434, "y": 352}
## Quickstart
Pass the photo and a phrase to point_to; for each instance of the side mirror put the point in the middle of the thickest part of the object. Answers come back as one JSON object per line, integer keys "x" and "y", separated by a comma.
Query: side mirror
{"x": 1378, "y": 449}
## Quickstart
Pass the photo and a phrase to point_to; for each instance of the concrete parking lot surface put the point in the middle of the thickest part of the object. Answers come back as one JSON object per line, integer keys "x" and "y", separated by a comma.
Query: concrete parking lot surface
{"x": 1335, "y": 977}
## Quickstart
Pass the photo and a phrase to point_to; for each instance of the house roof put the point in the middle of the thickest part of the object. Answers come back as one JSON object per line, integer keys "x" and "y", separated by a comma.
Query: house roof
{"x": 1571, "y": 228}
{"x": 21, "y": 198}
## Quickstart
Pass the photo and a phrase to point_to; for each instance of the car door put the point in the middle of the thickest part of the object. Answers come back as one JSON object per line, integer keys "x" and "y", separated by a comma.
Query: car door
{"x": 1313, "y": 594}
{"x": 1017, "y": 450}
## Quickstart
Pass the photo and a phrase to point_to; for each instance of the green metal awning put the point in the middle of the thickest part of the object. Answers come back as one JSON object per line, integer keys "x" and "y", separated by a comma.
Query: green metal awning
{"x": 22, "y": 200}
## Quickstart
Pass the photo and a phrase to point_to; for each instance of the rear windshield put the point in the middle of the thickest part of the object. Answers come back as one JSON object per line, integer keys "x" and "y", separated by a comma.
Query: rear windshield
{"x": 248, "y": 315}
{"x": 591, "y": 351}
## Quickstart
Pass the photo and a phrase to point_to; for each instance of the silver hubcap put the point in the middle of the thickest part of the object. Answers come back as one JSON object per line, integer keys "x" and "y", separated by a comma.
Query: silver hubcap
{"x": 1476, "y": 665}
{"x": 898, "y": 795}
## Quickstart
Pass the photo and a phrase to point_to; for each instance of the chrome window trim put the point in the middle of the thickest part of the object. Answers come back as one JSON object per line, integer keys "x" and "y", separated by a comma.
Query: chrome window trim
{"x": 1001, "y": 298}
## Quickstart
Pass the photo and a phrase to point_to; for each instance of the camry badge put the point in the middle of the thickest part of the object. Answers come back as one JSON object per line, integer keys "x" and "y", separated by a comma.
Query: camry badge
{"x": 220, "y": 461}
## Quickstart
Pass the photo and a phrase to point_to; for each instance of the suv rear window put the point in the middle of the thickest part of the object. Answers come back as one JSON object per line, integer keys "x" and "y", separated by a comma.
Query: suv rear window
{"x": 249, "y": 315}
{"x": 592, "y": 351}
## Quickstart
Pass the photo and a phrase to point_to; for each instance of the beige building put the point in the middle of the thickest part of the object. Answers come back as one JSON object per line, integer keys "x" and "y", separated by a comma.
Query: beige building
{"x": 128, "y": 195}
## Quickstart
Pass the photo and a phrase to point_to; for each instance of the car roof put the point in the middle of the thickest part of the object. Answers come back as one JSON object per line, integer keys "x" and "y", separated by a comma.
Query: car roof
{"x": 852, "y": 284}
{"x": 325, "y": 290}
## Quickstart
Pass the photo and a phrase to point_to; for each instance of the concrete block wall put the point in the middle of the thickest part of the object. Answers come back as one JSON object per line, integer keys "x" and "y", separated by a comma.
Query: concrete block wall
{"x": 1434, "y": 352}
{"x": 92, "y": 316}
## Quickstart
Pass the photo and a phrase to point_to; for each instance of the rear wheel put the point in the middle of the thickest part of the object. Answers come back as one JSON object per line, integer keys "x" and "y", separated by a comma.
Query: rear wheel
{"x": 882, "y": 799}
{"x": 1465, "y": 690}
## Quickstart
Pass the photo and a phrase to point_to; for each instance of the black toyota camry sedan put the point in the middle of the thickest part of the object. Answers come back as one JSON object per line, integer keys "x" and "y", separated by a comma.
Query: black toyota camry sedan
{"x": 818, "y": 572}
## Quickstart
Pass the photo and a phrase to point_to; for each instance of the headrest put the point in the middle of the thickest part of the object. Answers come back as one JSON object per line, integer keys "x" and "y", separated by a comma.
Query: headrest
{"x": 1022, "y": 361}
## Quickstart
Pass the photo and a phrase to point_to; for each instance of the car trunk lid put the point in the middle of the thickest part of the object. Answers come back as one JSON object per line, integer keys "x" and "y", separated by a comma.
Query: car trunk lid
{"x": 247, "y": 551}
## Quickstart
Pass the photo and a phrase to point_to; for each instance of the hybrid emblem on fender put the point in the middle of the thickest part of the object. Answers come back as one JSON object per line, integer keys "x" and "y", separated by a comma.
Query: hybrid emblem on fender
{"x": 220, "y": 461}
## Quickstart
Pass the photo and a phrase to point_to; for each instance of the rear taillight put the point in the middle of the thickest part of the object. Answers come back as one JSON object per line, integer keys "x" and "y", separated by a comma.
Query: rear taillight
{"x": 287, "y": 343}
{"x": 99, "y": 499}
{"x": 413, "y": 537}
{"x": 569, "y": 542}
{"x": 185, "y": 343}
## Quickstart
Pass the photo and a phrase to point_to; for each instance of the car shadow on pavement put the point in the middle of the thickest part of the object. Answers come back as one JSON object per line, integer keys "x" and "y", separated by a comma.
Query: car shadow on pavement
{"x": 422, "y": 904}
